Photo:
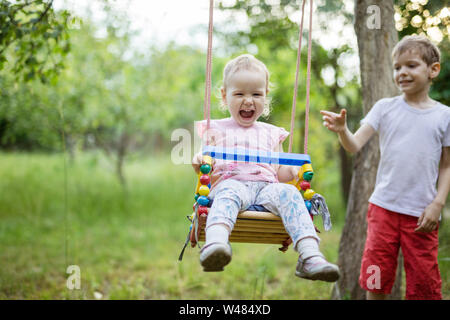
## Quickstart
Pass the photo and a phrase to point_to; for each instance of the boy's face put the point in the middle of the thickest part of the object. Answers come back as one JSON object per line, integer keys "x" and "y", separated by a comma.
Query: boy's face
{"x": 412, "y": 75}
{"x": 245, "y": 96}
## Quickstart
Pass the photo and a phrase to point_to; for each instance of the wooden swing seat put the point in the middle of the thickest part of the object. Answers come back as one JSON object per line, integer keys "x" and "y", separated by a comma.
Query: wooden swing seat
{"x": 251, "y": 227}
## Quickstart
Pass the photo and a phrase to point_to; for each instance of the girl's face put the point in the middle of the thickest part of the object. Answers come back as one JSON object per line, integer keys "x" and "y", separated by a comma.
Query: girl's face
{"x": 245, "y": 96}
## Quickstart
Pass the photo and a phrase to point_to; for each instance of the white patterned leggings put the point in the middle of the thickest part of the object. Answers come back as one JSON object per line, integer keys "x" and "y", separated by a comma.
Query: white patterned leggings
{"x": 232, "y": 196}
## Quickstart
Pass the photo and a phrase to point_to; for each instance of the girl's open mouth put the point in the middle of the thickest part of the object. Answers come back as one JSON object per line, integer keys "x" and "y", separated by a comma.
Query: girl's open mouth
{"x": 246, "y": 114}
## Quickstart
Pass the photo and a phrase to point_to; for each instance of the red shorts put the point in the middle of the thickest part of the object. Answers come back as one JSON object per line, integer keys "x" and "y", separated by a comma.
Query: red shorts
{"x": 387, "y": 231}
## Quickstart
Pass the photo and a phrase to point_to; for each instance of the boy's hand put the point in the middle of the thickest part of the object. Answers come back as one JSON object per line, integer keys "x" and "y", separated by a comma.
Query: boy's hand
{"x": 333, "y": 121}
{"x": 429, "y": 219}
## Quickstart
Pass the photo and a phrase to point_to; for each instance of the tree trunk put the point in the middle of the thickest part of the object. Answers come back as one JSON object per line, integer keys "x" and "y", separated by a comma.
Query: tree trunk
{"x": 71, "y": 143}
{"x": 121, "y": 152}
{"x": 375, "y": 44}
{"x": 345, "y": 162}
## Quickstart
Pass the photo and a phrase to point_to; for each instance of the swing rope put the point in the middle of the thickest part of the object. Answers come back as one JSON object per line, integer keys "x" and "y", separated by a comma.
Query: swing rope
{"x": 207, "y": 102}
{"x": 308, "y": 79}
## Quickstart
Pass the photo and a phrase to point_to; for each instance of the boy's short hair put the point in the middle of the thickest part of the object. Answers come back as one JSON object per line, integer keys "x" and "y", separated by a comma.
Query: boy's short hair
{"x": 428, "y": 51}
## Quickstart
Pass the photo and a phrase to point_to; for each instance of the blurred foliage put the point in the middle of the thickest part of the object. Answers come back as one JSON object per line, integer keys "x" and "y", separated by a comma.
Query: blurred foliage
{"x": 273, "y": 31}
{"x": 276, "y": 20}
{"x": 108, "y": 96}
{"x": 34, "y": 39}
{"x": 440, "y": 89}
{"x": 430, "y": 18}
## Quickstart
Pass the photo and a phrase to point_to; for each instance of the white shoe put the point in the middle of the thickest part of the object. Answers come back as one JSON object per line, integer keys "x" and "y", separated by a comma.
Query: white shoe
{"x": 317, "y": 268}
{"x": 214, "y": 256}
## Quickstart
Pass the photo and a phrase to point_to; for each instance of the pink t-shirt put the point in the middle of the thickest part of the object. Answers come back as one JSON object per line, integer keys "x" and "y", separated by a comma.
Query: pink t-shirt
{"x": 228, "y": 133}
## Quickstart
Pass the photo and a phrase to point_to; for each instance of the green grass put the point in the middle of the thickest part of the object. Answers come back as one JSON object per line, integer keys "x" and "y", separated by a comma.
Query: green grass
{"x": 127, "y": 243}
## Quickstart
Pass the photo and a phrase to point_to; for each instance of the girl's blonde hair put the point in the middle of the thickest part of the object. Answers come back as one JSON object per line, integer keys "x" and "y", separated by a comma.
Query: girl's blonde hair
{"x": 246, "y": 62}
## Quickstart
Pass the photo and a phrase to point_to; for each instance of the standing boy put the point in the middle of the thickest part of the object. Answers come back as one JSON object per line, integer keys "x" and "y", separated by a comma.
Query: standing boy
{"x": 405, "y": 207}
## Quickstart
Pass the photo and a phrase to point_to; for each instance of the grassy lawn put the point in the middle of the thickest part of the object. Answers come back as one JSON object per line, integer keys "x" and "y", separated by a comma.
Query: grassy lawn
{"x": 127, "y": 242}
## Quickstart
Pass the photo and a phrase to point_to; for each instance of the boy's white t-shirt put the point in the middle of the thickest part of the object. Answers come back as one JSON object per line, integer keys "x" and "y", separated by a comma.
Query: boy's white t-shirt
{"x": 411, "y": 142}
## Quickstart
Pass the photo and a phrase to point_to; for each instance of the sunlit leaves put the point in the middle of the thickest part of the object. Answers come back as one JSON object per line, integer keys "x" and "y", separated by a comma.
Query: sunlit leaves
{"x": 430, "y": 18}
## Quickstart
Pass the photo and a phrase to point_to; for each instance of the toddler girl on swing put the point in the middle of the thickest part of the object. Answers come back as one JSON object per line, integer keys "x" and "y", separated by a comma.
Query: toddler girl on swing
{"x": 237, "y": 185}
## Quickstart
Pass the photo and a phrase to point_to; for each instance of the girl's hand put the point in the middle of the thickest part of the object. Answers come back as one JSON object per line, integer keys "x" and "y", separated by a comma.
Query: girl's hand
{"x": 197, "y": 161}
{"x": 294, "y": 172}
{"x": 286, "y": 173}
{"x": 429, "y": 219}
{"x": 333, "y": 121}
